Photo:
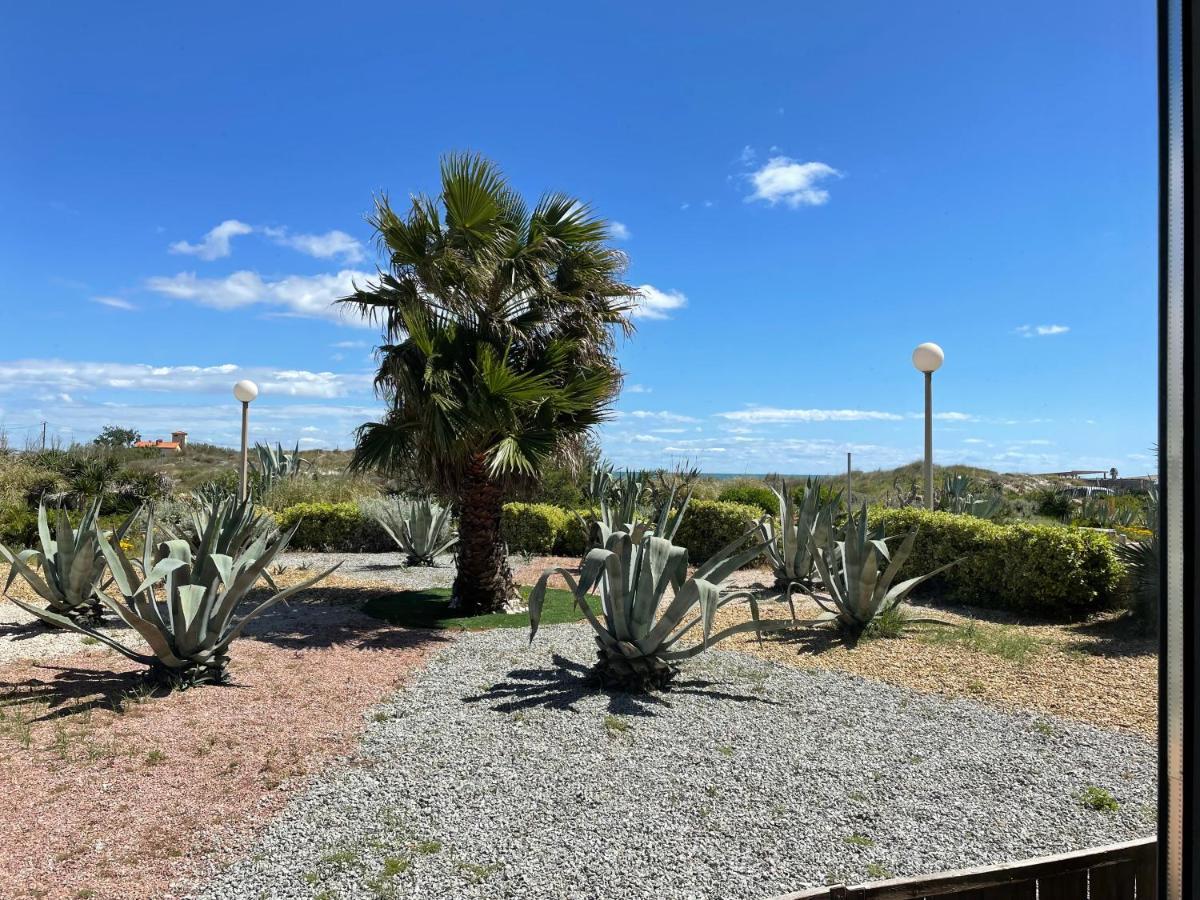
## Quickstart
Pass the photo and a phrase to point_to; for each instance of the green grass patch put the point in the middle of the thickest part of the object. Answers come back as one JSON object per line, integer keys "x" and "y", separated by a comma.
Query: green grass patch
{"x": 1099, "y": 799}
{"x": 431, "y": 609}
{"x": 1005, "y": 641}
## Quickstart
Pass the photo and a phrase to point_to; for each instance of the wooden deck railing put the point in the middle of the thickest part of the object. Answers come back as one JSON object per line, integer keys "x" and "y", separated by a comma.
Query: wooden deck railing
{"x": 1117, "y": 872}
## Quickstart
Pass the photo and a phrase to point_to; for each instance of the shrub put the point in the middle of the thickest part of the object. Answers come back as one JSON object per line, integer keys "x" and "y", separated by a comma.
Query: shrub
{"x": 708, "y": 525}
{"x": 751, "y": 493}
{"x": 24, "y": 484}
{"x": 339, "y": 527}
{"x": 1052, "y": 503}
{"x": 573, "y": 539}
{"x": 18, "y": 526}
{"x": 1051, "y": 570}
{"x": 287, "y": 492}
{"x": 533, "y": 527}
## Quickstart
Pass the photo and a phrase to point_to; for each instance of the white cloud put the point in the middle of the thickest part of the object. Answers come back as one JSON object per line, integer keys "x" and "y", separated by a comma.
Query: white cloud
{"x": 322, "y": 246}
{"x": 655, "y": 304}
{"x": 350, "y": 345}
{"x": 647, "y": 439}
{"x": 1041, "y": 330}
{"x": 619, "y": 230}
{"x": 114, "y": 303}
{"x": 747, "y": 156}
{"x": 795, "y": 184}
{"x": 302, "y": 295}
{"x": 658, "y": 416}
{"x": 637, "y": 389}
{"x": 216, "y": 244}
{"x": 770, "y": 414}
{"x": 85, "y": 377}
{"x": 684, "y": 205}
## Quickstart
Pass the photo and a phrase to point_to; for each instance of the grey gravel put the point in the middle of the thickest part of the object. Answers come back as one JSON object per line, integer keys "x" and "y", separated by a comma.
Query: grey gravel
{"x": 385, "y": 568}
{"x": 496, "y": 773}
{"x": 24, "y": 636}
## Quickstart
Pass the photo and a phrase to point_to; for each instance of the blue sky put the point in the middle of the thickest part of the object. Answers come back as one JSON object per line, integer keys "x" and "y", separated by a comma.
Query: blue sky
{"x": 808, "y": 190}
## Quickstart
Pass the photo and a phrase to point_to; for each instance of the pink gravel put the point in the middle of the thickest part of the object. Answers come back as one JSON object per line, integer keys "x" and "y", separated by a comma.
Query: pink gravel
{"x": 134, "y": 804}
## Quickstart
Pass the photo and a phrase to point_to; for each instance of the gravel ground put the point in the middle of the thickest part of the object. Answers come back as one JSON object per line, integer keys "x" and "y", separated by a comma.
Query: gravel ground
{"x": 386, "y": 568}
{"x": 496, "y": 774}
{"x": 23, "y": 636}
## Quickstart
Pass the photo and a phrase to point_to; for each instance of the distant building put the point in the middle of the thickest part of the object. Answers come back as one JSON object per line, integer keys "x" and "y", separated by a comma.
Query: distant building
{"x": 176, "y": 444}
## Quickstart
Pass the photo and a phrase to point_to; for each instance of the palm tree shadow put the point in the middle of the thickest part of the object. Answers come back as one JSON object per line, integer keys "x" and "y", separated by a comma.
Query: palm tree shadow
{"x": 567, "y": 682}
{"x": 326, "y": 616}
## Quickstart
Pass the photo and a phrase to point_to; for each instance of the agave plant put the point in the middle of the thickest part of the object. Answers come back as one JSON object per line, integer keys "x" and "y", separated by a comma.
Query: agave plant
{"x": 791, "y": 552}
{"x": 183, "y": 608}
{"x": 957, "y": 497}
{"x": 638, "y": 635}
{"x": 858, "y": 569}
{"x": 275, "y": 464}
{"x": 218, "y": 525}
{"x": 71, "y": 563}
{"x": 420, "y": 528}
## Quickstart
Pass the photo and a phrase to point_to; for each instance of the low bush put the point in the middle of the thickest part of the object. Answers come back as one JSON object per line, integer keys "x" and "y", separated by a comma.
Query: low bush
{"x": 751, "y": 493}
{"x": 287, "y": 492}
{"x": 708, "y": 525}
{"x": 533, "y": 527}
{"x": 340, "y": 527}
{"x": 18, "y": 527}
{"x": 1051, "y": 570}
{"x": 573, "y": 539}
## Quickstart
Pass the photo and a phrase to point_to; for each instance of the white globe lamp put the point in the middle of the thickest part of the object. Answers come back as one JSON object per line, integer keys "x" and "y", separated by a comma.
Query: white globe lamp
{"x": 928, "y": 358}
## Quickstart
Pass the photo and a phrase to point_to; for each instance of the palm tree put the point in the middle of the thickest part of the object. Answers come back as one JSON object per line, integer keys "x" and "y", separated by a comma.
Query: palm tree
{"x": 499, "y": 327}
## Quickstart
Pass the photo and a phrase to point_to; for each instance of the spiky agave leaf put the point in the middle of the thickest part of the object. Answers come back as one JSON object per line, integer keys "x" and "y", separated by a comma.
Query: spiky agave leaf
{"x": 858, "y": 572}
{"x": 790, "y": 551}
{"x": 420, "y": 528}
{"x": 71, "y": 565}
{"x": 182, "y": 607}
{"x": 636, "y": 650}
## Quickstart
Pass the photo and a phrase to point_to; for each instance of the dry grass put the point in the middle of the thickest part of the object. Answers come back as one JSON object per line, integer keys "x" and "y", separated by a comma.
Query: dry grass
{"x": 1098, "y": 672}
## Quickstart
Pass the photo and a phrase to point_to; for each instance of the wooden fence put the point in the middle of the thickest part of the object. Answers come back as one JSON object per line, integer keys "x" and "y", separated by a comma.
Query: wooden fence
{"x": 1126, "y": 871}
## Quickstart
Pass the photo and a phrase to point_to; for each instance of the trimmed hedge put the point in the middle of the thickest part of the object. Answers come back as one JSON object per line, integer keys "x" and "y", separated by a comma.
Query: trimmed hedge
{"x": 751, "y": 494}
{"x": 532, "y": 527}
{"x": 708, "y": 525}
{"x": 340, "y": 527}
{"x": 1050, "y": 570}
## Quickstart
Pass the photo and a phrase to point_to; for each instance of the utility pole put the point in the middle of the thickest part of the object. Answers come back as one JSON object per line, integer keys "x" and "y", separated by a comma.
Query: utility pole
{"x": 43, "y": 435}
{"x": 849, "y": 492}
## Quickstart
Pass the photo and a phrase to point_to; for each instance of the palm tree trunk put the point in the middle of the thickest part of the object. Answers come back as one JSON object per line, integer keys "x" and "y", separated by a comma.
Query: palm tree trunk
{"x": 484, "y": 582}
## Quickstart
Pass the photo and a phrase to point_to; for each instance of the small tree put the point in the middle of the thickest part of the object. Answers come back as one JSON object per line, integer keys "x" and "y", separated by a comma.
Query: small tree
{"x": 498, "y": 358}
{"x": 116, "y": 436}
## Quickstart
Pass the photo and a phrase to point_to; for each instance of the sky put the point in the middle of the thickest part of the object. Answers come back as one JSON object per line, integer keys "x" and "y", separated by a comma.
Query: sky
{"x": 805, "y": 191}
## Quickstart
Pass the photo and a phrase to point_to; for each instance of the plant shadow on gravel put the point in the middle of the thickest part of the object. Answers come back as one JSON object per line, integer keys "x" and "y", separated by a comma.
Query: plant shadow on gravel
{"x": 331, "y": 616}
{"x": 71, "y": 691}
{"x": 567, "y": 681}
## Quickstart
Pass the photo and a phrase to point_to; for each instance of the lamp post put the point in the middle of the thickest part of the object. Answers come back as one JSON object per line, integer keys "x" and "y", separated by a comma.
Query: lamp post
{"x": 928, "y": 358}
{"x": 245, "y": 391}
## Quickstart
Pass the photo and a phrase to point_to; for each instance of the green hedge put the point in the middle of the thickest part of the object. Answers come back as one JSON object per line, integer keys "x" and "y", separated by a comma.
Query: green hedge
{"x": 1051, "y": 570}
{"x": 338, "y": 527}
{"x": 532, "y": 527}
{"x": 708, "y": 525}
{"x": 751, "y": 494}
